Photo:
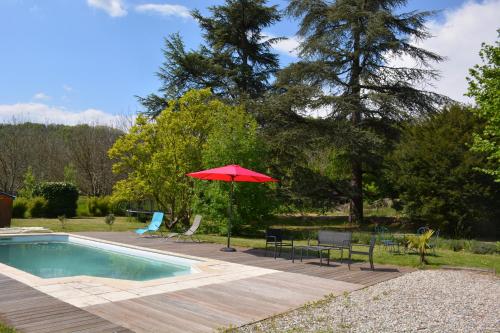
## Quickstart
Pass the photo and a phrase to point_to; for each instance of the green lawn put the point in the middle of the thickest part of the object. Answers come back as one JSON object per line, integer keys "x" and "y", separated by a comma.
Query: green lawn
{"x": 301, "y": 225}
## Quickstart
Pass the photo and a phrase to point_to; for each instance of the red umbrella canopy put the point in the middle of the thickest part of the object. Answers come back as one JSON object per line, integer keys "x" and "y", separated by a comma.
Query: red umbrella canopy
{"x": 230, "y": 173}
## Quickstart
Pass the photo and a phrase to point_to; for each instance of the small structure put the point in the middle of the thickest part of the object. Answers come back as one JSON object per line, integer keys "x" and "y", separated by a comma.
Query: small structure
{"x": 6, "y": 201}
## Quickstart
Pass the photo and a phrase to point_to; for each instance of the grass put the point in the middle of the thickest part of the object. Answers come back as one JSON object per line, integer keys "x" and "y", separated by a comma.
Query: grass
{"x": 6, "y": 329}
{"x": 443, "y": 257}
{"x": 302, "y": 226}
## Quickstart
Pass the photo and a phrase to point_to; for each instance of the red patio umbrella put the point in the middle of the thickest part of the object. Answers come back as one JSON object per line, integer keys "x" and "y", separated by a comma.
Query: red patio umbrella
{"x": 231, "y": 173}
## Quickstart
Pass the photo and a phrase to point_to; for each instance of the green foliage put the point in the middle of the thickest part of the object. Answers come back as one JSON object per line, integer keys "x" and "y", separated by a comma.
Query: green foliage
{"x": 29, "y": 184}
{"x": 235, "y": 61}
{"x": 202, "y": 132}
{"x": 484, "y": 87}
{"x": 420, "y": 243}
{"x": 434, "y": 172}
{"x": 99, "y": 206}
{"x": 61, "y": 198}
{"x": 110, "y": 220}
{"x": 20, "y": 207}
{"x": 38, "y": 207}
{"x": 6, "y": 329}
{"x": 233, "y": 139}
{"x": 483, "y": 248}
{"x": 345, "y": 71}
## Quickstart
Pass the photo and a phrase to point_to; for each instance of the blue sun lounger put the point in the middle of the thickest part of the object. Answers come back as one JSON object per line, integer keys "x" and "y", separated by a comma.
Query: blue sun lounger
{"x": 155, "y": 224}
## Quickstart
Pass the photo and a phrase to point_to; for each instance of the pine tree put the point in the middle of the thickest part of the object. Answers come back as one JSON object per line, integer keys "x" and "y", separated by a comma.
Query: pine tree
{"x": 346, "y": 67}
{"x": 235, "y": 61}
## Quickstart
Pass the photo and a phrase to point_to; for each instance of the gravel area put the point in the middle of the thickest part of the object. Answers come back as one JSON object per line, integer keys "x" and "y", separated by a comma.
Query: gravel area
{"x": 423, "y": 301}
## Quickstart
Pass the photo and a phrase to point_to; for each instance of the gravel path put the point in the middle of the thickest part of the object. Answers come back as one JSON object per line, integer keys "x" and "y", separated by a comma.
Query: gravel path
{"x": 423, "y": 301}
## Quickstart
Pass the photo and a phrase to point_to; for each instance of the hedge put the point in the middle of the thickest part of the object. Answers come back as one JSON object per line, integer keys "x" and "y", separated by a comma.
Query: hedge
{"x": 61, "y": 198}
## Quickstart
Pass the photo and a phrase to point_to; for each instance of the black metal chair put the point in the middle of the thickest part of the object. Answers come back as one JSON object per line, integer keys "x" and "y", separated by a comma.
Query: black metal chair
{"x": 368, "y": 253}
{"x": 278, "y": 238}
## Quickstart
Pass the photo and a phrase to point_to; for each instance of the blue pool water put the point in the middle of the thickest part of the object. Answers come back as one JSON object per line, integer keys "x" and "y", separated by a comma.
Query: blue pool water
{"x": 63, "y": 259}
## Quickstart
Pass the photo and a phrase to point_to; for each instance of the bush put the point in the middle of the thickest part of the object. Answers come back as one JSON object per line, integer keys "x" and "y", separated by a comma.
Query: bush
{"x": 109, "y": 220}
{"x": 61, "y": 198}
{"x": 457, "y": 245}
{"x": 435, "y": 175}
{"x": 483, "y": 248}
{"x": 38, "y": 207}
{"x": 19, "y": 207}
{"x": 99, "y": 206}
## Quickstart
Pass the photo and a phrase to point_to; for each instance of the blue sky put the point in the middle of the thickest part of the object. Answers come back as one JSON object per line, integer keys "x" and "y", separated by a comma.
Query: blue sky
{"x": 69, "y": 60}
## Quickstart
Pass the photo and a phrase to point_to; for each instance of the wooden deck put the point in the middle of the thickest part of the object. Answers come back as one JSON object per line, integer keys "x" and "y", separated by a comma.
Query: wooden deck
{"x": 360, "y": 273}
{"x": 30, "y": 310}
{"x": 200, "y": 309}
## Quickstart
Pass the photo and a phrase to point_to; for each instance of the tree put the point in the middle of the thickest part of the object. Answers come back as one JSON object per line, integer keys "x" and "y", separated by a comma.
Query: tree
{"x": 484, "y": 87}
{"x": 88, "y": 146}
{"x": 346, "y": 70}
{"x": 235, "y": 62}
{"x": 198, "y": 131}
{"x": 434, "y": 172}
{"x": 233, "y": 139}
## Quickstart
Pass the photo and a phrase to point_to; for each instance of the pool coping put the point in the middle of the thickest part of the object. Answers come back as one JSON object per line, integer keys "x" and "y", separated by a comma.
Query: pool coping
{"x": 83, "y": 290}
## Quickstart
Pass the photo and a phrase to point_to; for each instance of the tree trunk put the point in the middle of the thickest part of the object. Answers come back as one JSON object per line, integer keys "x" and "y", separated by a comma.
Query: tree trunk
{"x": 356, "y": 207}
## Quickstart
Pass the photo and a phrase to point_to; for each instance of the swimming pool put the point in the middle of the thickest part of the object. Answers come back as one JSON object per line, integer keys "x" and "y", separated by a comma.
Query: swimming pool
{"x": 55, "y": 256}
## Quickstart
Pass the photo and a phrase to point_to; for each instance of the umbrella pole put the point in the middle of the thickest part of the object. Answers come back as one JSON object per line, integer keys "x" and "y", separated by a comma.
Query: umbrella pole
{"x": 229, "y": 248}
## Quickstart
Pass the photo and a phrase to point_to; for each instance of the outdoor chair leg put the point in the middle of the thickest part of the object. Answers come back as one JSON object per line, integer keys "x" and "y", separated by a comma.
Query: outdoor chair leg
{"x": 328, "y": 259}
{"x": 275, "y": 250}
{"x": 320, "y": 258}
{"x": 281, "y": 247}
{"x": 341, "y": 255}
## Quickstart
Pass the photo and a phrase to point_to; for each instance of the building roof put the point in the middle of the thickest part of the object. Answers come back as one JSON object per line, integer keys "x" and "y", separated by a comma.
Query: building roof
{"x": 7, "y": 194}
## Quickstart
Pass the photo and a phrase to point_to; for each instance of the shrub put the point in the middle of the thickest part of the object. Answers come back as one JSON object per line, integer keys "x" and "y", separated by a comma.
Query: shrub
{"x": 457, "y": 245}
{"x": 62, "y": 220}
{"x": 109, "y": 220}
{"x": 99, "y": 206}
{"x": 435, "y": 175}
{"x": 19, "y": 207}
{"x": 82, "y": 208}
{"x": 61, "y": 198}
{"x": 483, "y": 248}
{"x": 38, "y": 207}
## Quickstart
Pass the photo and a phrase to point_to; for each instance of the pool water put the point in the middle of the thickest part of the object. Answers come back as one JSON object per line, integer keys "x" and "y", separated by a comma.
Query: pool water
{"x": 64, "y": 259}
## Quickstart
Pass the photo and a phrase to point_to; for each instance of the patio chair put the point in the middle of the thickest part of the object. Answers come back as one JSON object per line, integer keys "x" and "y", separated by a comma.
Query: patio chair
{"x": 433, "y": 242}
{"x": 386, "y": 239}
{"x": 154, "y": 226}
{"x": 422, "y": 230}
{"x": 369, "y": 252}
{"x": 278, "y": 238}
{"x": 190, "y": 233}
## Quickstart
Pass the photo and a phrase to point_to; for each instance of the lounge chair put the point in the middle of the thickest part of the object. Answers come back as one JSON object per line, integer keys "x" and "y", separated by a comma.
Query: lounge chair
{"x": 154, "y": 226}
{"x": 190, "y": 233}
{"x": 368, "y": 253}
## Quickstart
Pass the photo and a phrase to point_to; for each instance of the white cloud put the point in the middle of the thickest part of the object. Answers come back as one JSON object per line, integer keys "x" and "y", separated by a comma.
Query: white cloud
{"x": 164, "y": 9}
{"x": 114, "y": 8}
{"x": 67, "y": 87}
{"x": 41, "y": 96}
{"x": 46, "y": 114}
{"x": 458, "y": 37}
{"x": 286, "y": 46}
